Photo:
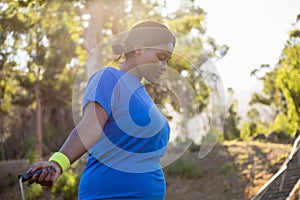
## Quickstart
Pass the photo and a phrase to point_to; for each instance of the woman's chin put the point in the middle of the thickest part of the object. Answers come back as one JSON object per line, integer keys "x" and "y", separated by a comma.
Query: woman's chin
{"x": 152, "y": 79}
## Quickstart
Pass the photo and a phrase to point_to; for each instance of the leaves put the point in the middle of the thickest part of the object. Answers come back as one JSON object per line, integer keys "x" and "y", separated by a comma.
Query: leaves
{"x": 43, "y": 42}
{"x": 282, "y": 88}
{"x": 38, "y": 40}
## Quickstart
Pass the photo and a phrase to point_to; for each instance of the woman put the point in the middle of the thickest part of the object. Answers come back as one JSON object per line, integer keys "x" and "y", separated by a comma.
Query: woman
{"x": 123, "y": 130}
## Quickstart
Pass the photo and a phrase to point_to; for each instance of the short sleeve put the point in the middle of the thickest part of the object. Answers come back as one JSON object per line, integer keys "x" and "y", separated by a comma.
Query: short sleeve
{"x": 100, "y": 88}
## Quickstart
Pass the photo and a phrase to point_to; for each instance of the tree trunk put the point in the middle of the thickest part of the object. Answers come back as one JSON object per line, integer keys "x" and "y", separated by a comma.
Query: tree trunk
{"x": 2, "y": 138}
{"x": 94, "y": 36}
{"x": 39, "y": 132}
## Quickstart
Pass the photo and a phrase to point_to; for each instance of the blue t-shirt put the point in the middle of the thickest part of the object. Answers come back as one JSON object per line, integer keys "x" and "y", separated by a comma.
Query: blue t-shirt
{"x": 125, "y": 161}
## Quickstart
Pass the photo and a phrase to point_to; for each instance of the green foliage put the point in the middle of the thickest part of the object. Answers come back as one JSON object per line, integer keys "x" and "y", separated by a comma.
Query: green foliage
{"x": 250, "y": 129}
{"x": 232, "y": 119}
{"x": 282, "y": 126}
{"x": 32, "y": 155}
{"x": 33, "y": 192}
{"x": 245, "y": 130}
{"x": 41, "y": 42}
{"x": 184, "y": 168}
{"x": 253, "y": 125}
{"x": 228, "y": 168}
{"x": 281, "y": 91}
{"x": 187, "y": 21}
{"x": 39, "y": 39}
{"x": 28, "y": 149}
{"x": 194, "y": 147}
{"x": 213, "y": 135}
{"x": 11, "y": 179}
{"x": 260, "y": 128}
{"x": 66, "y": 186}
{"x": 54, "y": 134}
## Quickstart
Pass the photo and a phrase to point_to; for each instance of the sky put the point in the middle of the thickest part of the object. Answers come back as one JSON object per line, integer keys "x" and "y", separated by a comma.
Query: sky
{"x": 255, "y": 31}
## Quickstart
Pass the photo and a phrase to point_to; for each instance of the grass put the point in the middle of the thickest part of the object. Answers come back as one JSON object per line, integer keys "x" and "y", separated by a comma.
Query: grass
{"x": 183, "y": 167}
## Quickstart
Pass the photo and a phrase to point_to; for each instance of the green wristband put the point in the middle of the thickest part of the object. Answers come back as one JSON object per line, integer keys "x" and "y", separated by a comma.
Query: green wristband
{"x": 60, "y": 159}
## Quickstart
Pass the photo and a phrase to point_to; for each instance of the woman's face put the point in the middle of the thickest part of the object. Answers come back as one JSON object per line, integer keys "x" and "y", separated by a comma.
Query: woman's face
{"x": 152, "y": 62}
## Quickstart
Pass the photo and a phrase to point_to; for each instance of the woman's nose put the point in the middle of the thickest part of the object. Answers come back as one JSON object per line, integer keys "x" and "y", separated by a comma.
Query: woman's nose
{"x": 163, "y": 66}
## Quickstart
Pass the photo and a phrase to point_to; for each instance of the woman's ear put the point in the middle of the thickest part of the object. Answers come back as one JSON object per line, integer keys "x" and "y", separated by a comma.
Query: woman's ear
{"x": 138, "y": 52}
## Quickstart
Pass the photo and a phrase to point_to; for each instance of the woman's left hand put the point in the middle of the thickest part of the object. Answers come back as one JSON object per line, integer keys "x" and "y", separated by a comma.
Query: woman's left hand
{"x": 49, "y": 175}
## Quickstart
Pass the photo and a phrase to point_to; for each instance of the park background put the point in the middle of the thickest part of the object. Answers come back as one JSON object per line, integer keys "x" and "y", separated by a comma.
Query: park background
{"x": 44, "y": 51}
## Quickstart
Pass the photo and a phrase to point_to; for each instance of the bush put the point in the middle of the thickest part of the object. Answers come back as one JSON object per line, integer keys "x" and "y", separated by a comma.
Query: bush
{"x": 67, "y": 185}
{"x": 228, "y": 168}
{"x": 194, "y": 147}
{"x": 32, "y": 192}
{"x": 245, "y": 130}
{"x": 282, "y": 126}
{"x": 32, "y": 155}
{"x": 11, "y": 179}
{"x": 184, "y": 168}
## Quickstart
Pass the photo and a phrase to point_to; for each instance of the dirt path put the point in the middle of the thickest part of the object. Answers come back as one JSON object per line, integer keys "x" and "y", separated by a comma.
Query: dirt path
{"x": 235, "y": 170}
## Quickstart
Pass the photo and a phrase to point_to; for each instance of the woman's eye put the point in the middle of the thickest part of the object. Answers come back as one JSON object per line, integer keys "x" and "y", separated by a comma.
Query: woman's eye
{"x": 162, "y": 57}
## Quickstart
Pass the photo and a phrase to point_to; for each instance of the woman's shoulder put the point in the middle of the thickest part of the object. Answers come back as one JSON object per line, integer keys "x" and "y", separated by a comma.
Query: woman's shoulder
{"x": 107, "y": 72}
{"x": 109, "y": 69}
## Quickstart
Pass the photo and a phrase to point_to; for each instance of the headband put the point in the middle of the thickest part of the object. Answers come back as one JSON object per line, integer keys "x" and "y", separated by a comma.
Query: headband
{"x": 143, "y": 38}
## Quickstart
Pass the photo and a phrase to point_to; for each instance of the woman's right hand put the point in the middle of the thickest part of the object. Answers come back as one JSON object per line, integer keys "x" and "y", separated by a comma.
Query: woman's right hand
{"x": 49, "y": 175}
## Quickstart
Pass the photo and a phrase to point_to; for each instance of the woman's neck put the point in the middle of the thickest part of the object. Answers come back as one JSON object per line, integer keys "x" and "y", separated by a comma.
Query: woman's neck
{"x": 130, "y": 67}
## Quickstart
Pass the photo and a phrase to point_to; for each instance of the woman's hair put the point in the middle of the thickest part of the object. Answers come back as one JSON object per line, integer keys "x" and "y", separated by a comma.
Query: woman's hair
{"x": 145, "y": 34}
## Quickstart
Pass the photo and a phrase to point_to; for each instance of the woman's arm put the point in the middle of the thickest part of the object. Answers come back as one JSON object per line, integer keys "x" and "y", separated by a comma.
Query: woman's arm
{"x": 81, "y": 138}
{"x": 86, "y": 133}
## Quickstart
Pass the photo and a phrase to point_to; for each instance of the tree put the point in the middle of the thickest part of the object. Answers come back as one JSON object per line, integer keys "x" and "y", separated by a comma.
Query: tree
{"x": 281, "y": 91}
{"x": 45, "y": 35}
{"x": 187, "y": 24}
{"x": 50, "y": 37}
{"x": 231, "y": 130}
